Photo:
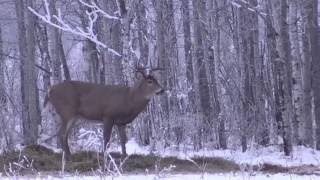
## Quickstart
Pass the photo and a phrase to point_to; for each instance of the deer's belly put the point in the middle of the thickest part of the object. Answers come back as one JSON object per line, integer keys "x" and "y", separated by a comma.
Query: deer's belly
{"x": 123, "y": 118}
{"x": 90, "y": 114}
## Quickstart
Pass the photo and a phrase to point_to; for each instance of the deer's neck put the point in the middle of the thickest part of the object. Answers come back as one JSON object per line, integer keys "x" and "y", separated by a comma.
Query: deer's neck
{"x": 138, "y": 98}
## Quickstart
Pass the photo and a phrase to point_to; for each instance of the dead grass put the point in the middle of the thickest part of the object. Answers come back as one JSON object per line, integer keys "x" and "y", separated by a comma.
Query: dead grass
{"x": 300, "y": 170}
{"x": 271, "y": 168}
{"x": 44, "y": 159}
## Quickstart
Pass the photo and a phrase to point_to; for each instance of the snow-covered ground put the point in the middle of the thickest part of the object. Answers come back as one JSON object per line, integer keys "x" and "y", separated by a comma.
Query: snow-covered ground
{"x": 271, "y": 155}
{"x": 301, "y": 157}
{"x": 228, "y": 176}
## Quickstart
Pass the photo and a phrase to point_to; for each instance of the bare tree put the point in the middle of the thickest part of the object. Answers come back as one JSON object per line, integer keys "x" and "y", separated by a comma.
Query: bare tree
{"x": 296, "y": 72}
{"x": 215, "y": 28}
{"x": 90, "y": 49}
{"x": 306, "y": 124}
{"x": 188, "y": 52}
{"x": 54, "y": 49}
{"x": 43, "y": 45}
{"x": 283, "y": 74}
{"x": 4, "y": 134}
{"x": 112, "y": 34}
{"x": 311, "y": 13}
{"x": 30, "y": 103}
{"x": 200, "y": 55}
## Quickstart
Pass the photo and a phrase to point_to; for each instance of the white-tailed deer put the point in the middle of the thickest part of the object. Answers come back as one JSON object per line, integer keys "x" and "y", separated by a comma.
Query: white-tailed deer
{"x": 112, "y": 104}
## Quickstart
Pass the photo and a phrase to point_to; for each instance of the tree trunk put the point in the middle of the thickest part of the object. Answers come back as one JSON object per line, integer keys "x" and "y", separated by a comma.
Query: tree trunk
{"x": 63, "y": 59}
{"x": 43, "y": 44}
{"x": 3, "y": 99}
{"x": 283, "y": 74}
{"x": 201, "y": 58}
{"x": 30, "y": 103}
{"x": 248, "y": 54}
{"x": 112, "y": 35}
{"x": 306, "y": 124}
{"x": 217, "y": 57}
{"x": 126, "y": 10}
{"x": 260, "y": 124}
{"x": 54, "y": 47}
{"x": 145, "y": 127}
{"x": 162, "y": 56}
{"x": 312, "y": 31}
{"x": 90, "y": 51}
{"x": 188, "y": 55}
{"x": 4, "y": 131}
{"x": 296, "y": 73}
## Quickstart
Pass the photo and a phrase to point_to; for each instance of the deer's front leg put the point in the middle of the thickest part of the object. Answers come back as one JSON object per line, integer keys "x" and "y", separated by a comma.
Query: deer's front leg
{"x": 107, "y": 129}
{"x": 123, "y": 138}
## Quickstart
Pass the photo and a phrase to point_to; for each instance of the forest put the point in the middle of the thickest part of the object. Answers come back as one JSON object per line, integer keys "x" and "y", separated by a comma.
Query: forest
{"x": 237, "y": 74}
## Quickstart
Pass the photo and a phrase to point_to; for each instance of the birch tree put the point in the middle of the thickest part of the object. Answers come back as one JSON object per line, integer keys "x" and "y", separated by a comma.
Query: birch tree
{"x": 297, "y": 122}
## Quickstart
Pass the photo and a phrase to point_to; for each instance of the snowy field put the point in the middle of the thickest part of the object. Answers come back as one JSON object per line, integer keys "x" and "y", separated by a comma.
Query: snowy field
{"x": 301, "y": 155}
{"x": 228, "y": 176}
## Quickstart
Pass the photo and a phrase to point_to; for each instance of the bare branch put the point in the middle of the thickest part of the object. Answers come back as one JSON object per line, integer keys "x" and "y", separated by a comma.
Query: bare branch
{"x": 97, "y": 9}
{"x": 88, "y": 33}
{"x": 36, "y": 65}
{"x": 249, "y": 7}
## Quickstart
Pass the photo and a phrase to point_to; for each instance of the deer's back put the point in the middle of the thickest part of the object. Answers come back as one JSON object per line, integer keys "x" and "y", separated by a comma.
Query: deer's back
{"x": 89, "y": 100}
{"x": 93, "y": 101}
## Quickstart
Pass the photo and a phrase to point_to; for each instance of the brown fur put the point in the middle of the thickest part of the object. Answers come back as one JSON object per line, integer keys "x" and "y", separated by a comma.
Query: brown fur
{"x": 111, "y": 104}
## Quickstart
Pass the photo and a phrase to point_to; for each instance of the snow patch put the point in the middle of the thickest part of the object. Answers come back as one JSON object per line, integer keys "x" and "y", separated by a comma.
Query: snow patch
{"x": 133, "y": 147}
{"x": 271, "y": 155}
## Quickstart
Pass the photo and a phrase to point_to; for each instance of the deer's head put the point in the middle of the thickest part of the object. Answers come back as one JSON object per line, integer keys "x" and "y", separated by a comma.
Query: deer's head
{"x": 149, "y": 85}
